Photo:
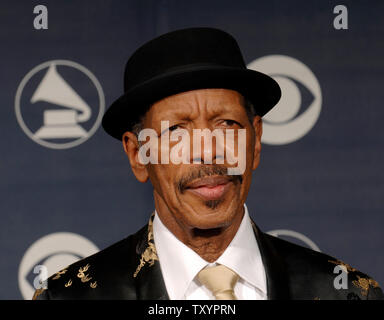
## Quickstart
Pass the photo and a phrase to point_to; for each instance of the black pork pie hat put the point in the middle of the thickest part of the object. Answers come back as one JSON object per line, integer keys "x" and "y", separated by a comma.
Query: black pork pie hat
{"x": 184, "y": 60}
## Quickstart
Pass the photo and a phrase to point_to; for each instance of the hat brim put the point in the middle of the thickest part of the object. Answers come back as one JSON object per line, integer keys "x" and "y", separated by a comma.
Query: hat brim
{"x": 259, "y": 88}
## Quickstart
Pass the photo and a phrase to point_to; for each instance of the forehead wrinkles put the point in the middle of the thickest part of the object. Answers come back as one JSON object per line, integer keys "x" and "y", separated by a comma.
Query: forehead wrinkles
{"x": 211, "y": 104}
{"x": 193, "y": 107}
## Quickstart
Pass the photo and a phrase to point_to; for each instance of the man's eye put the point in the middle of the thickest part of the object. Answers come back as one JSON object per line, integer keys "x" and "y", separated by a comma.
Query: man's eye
{"x": 230, "y": 123}
{"x": 170, "y": 129}
{"x": 173, "y": 128}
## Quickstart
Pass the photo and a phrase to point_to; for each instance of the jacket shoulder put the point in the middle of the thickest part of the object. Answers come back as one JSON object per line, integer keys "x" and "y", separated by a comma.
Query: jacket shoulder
{"x": 315, "y": 275}
{"x": 107, "y": 274}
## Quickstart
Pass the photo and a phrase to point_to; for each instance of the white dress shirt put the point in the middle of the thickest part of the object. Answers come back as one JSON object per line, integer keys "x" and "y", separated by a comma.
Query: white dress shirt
{"x": 179, "y": 264}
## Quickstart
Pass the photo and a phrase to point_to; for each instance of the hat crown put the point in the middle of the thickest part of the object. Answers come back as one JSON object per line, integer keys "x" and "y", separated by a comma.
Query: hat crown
{"x": 180, "y": 49}
{"x": 181, "y": 61}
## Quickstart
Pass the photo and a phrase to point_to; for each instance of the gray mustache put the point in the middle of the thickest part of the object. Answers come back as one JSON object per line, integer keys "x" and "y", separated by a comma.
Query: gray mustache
{"x": 206, "y": 171}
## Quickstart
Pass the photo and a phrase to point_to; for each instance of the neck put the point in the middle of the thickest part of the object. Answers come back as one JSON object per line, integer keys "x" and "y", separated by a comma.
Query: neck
{"x": 209, "y": 244}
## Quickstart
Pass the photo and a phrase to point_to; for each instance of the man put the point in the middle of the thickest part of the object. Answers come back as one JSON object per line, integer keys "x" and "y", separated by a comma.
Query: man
{"x": 200, "y": 243}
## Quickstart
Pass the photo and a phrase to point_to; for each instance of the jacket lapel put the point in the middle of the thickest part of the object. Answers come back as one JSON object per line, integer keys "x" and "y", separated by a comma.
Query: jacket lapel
{"x": 277, "y": 281}
{"x": 150, "y": 284}
{"x": 148, "y": 277}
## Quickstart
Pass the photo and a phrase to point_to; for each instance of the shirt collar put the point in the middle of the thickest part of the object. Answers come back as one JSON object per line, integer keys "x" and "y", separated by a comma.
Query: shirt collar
{"x": 180, "y": 264}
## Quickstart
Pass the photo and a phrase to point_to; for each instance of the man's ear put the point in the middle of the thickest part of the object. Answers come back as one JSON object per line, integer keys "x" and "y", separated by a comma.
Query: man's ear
{"x": 131, "y": 148}
{"x": 258, "y": 127}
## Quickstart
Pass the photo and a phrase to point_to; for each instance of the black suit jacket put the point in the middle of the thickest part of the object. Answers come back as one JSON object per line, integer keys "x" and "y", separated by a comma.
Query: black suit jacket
{"x": 130, "y": 269}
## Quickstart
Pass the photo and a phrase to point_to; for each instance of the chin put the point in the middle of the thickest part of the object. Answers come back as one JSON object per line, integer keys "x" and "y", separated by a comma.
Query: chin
{"x": 211, "y": 215}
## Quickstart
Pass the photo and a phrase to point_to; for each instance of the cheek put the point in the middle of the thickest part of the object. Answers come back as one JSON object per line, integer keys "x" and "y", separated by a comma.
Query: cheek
{"x": 250, "y": 149}
{"x": 162, "y": 178}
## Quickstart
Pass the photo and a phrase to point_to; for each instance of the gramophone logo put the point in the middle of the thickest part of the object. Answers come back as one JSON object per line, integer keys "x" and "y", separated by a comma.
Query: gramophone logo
{"x": 59, "y": 104}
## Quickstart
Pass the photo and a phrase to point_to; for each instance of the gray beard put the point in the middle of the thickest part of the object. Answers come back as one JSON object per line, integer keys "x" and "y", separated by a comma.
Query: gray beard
{"x": 212, "y": 204}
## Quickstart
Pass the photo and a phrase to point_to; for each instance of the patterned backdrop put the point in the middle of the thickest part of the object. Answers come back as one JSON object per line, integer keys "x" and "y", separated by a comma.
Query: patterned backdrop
{"x": 66, "y": 186}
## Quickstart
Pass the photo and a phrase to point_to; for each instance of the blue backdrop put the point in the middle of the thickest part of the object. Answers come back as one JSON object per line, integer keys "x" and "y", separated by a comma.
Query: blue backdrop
{"x": 64, "y": 197}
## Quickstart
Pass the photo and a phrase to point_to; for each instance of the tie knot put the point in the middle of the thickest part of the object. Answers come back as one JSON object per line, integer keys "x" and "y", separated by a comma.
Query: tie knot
{"x": 220, "y": 280}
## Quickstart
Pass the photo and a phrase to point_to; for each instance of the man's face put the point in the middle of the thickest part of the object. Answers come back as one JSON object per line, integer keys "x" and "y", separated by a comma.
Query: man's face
{"x": 194, "y": 195}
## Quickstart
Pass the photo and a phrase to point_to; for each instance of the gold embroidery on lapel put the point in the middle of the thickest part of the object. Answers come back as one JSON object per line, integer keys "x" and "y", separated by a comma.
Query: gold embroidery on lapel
{"x": 373, "y": 283}
{"x": 83, "y": 270}
{"x": 57, "y": 275}
{"x": 85, "y": 278}
{"x": 69, "y": 283}
{"x": 93, "y": 285}
{"x": 150, "y": 254}
{"x": 341, "y": 263}
{"x": 37, "y": 293}
{"x": 364, "y": 283}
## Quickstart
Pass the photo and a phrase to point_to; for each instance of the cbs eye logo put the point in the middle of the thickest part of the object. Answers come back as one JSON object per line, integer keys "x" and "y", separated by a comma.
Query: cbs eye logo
{"x": 48, "y": 255}
{"x": 298, "y": 237}
{"x": 292, "y": 118}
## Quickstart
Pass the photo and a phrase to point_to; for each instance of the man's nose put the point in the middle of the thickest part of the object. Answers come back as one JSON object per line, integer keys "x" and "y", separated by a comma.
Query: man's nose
{"x": 204, "y": 146}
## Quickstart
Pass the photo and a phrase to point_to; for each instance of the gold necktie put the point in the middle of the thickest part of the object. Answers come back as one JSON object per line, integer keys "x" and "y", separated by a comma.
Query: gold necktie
{"x": 220, "y": 280}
